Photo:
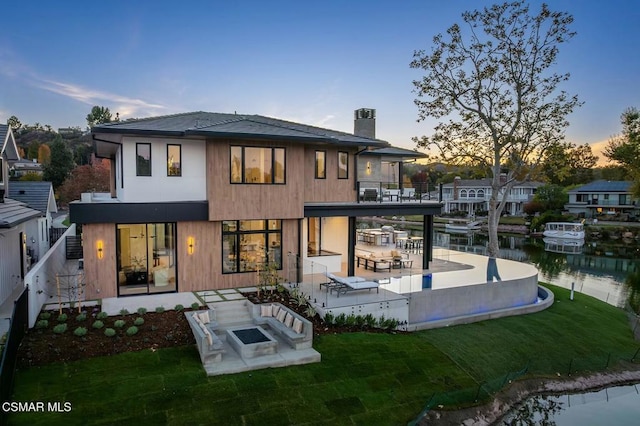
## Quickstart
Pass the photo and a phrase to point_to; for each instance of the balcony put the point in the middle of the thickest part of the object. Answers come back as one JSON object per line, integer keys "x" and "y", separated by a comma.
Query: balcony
{"x": 390, "y": 192}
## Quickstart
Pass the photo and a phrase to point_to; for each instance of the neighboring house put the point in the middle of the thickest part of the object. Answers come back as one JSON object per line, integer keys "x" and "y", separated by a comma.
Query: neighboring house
{"x": 472, "y": 195}
{"x": 608, "y": 198}
{"x": 15, "y": 219}
{"x": 24, "y": 167}
{"x": 38, "y": 196}
{"x": 198, "y": 199}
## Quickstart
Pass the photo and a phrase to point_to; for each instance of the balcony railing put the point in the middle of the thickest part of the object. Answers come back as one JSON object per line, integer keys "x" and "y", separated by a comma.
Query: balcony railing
{"x": 392, "y": 192}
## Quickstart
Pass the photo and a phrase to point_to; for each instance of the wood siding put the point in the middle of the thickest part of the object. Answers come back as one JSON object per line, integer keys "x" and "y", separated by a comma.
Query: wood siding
{"x": 330, "y": 189}
{"x": 254, "y": 201}
{"x": 203, "y": 269}
{"x": 100, "y": 274}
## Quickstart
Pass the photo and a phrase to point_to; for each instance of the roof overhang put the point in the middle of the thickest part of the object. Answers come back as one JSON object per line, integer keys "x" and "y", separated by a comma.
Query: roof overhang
{"x": 427, "y": 208}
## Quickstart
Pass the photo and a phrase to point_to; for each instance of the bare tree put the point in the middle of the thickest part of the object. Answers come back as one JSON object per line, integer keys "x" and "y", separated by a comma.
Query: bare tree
{"x": 494, "y": 83}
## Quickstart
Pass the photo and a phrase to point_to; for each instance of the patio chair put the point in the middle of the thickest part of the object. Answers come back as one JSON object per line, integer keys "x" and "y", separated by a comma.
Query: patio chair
{"x": 357, "y": 285}
{"x": 370, "y": 195}
{"x": 336, "y": 282}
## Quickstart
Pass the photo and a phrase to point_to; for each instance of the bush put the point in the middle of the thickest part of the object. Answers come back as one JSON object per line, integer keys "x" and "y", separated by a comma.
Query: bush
{"x": 195, "y": 306}
{"x": 340, "y": 320}
{"x": 350, "y": 321}
{"x": 45, "y": 315}
{"x": 109, "y": 332}
{"x": 81, "y": 317}
{"x": 62, "y": 318}
{"x": 328, "y": 318}
{"x": 132, "y": 330}
{"x": 97, "y": 324}
{"x": 43, "y": 323}
{"x": 138, "y": 321}
{"x": 160, "y": 309}
{"x": 370, "y": 320}
{"x": 119, "y": 323}
{"x": 60, "y": 328}
{"x": 102, "y": 315}
{"x": 179, "y": 308}
{"x": 142, "y": 311}
{"x": 124, "y": 312}
{"x": 80, "y": 331}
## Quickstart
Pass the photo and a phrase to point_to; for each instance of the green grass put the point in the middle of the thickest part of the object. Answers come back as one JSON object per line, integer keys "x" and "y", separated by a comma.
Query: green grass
{"x": 362, "y": 379}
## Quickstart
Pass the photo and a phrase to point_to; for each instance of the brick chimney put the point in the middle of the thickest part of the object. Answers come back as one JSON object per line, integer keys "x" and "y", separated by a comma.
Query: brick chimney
{"x": 364, "y": 123}
{"x": 456, "y": 184}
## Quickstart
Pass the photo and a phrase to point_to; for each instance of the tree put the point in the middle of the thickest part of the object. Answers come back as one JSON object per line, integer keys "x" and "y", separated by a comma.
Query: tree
{"x": 60, "y": 165}
{"x": 625, "y": 148}
{"x": 551, "y": 197}
{"x": 98, "y": 115}
{"x": 494, "y": 84}
{"x": 44, "y": 154}
{"x": 14, "y": 123}
{"x": 87, "y": 178}
{"x": 32, "y": 149}
{"x": 567, "y": 164}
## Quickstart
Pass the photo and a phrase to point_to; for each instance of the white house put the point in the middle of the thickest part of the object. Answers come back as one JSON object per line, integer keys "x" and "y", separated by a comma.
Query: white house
{"x": 472, "y": 195}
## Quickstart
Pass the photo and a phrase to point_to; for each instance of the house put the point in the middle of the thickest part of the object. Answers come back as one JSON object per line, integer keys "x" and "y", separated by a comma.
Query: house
{"x": 38, "y": 196}
{"x": 603, "y": 198}
{"x": 198, "y": 200}
{"x": 15, "y": 219}
{"x": 24, "y": 167}
{"x": 472, "y": 195}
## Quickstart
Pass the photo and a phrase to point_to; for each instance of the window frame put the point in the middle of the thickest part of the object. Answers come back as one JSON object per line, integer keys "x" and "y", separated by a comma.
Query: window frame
{"x": 179, "y": 160}
{"x": 138, "y": 144}
{"x": 324, "y": 164}
{"x": 346, "y": 169}
{"x": 273, "y": 151}
{"x": 237, "y": 234}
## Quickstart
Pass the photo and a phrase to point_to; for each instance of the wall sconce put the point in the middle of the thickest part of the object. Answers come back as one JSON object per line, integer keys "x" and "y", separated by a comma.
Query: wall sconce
{"x": 190, "y": 245}
{"x": 100, "y": 247}
{"x": 368, "y": 167}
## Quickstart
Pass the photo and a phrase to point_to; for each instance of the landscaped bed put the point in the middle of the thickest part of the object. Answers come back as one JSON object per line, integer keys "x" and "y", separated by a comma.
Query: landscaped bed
{"x": 364, "y": 378}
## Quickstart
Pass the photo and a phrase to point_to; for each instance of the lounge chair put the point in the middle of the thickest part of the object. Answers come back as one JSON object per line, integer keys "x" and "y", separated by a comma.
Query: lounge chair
{"x": 357, "y": 285}
{"x": 370, "y": 195}
{"x": 336, "y": 282}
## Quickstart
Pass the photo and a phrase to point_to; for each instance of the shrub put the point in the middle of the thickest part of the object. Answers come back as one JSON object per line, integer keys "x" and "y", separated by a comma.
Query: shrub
{"x": 80, "y": 331}
{"x": 360, "y": 321}
{"x": 45, "y": 315}
{"x": 340, "y": 320}
{"x": 81, "y": 317}
{"x": 351, "y": 320}
{"x": 124, "y": 312}
{"x": 179, "y": 308}
{"x": 138, "y": 321}
{"x": 328, "y": 318}
{"x": 60, "y": 328}
{"x": 102, "y": 315}
{"x": 62, "y": 318}
{"x": 195, "y": 306}
{"x": 370, "y": 320}
{"x": 142, "y": 311}
{"x": 160, "y": 309}
{"x": 43, "y": 323}
{"x": 119, "y": 323}
{"x": 310, "y": 311}
{"x": 109, "y": 332}
{"x": 97, "y": 324}
{"x": 132, "y": 330}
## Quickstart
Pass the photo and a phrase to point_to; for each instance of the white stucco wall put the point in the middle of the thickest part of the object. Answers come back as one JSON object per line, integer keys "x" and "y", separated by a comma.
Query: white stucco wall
{"x": 159, "y": 187}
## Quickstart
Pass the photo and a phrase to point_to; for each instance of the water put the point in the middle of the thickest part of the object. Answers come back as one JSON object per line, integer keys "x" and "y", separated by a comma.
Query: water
{"x": 611, "y": 406}
{"x": 600, "y": 269}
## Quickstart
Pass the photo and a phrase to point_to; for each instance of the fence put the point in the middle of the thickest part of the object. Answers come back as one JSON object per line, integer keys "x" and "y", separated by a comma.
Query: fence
{"x": 487, "y": 389}
{"x": 19, "y": 324}
{"x": 55, "y": 234}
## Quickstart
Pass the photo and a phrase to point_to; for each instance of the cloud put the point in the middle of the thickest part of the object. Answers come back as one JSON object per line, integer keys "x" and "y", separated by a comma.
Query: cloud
{"x": 597, "y": 148}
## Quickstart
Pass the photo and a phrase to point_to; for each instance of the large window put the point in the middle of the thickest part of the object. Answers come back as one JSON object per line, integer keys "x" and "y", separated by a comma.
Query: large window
{"x": 246, "y": 244}
{"x": 257, "y": 165}
{"x": 143, "y": 159}
{"x": 343, "y": 165}
{"x": 174, "y": 163}
{"x": 321, "y": 164}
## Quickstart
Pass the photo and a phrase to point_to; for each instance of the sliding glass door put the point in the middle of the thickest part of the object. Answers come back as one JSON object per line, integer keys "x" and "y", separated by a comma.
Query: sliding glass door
{"x": 146, "y": 258}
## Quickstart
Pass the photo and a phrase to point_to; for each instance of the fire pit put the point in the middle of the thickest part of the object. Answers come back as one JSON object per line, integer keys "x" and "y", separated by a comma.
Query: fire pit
{"x": 251, "y": 342}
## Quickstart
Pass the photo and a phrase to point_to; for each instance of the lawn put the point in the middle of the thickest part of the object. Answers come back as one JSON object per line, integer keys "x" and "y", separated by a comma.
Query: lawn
{"x": 363, "y": 378}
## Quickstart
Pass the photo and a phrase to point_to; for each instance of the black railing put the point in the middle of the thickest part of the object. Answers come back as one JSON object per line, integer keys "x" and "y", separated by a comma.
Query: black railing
{"x": 17, "y": 329}
{"x": 74, "y": 247}
{"x": 392, "y": 192}
{"x": 55, "y": 234}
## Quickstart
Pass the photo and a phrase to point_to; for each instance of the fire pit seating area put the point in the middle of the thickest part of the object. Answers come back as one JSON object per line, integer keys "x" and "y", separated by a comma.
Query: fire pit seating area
{"x": 203, "y": 324}
{"x": 294, "y": 329}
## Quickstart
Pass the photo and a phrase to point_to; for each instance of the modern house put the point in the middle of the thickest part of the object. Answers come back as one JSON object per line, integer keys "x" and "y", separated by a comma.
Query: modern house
{"x": 24, "y": 167}
{"x": 603, "y": 198}
{"x": 472, "y": 195}
{"x": 198, "y": 200}
{"x": 38, "y": 196}
{"x": 16, "y": 219}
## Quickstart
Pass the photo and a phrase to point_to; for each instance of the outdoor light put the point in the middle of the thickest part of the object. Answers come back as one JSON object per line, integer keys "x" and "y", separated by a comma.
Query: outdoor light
{"x": 368, "y": 167}
{"x": 100, "y": 247}
{"x": 190, "y": 244}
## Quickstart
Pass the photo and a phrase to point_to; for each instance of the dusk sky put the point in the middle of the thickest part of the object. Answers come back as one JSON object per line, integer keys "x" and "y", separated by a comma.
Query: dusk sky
{"x": 309, "y": 62}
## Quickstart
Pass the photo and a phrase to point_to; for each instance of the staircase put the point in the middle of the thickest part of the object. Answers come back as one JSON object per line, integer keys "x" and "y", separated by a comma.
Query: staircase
{"x": 231, "y": 314}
